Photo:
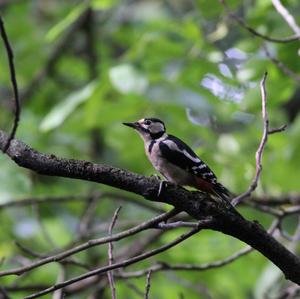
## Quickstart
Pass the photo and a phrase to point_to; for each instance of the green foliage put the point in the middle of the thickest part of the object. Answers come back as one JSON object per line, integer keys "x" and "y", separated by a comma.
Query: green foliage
{"x": 181, "y": 62}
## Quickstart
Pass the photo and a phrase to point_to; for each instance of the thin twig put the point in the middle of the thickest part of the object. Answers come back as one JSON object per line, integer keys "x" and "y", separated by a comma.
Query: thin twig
{"x": 279, "y": 129}
{"x": 60, "y": 294}
{"x": 281, "y": 65}
{"x": 110, "y": 274}
{"x": 176, "y": 224}
{"x": 191, "y": 267}
{"x": 28, "y": 250}
{"x": 294, "y": 238}
{"x": 259, "y": 152}
{"x": 197, "y": 205}
{"x": 13, "y": 79}
{"x": 25, "y": 288}
{"x": 266, "y": 209}
{"x": 69, "y": 261}
{"x": 80, "y": 198}
{"x": 62, "y": 255}
{"x": 148, "y": 284}
{"x": 288, "y": 199}
{"x": 44, "y": 200}
{"x": 256, "y": 33}
{"x": 287, "y": 16}
{"x": 187, "y": 267}
{"x": 201, "y": 224}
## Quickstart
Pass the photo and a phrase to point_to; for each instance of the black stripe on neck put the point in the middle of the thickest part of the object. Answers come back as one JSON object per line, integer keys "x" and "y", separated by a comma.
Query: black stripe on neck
{"x": 156, "y": 135}
{"x": 151, "y": 146}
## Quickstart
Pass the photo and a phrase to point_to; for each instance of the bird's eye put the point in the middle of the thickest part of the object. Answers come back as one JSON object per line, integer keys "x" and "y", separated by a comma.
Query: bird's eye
{"x": 147, "y": 122}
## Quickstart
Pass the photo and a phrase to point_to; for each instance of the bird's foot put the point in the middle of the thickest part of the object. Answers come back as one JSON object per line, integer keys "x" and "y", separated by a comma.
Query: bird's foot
{"x": 156, "y": 176}
{"x": 161, "y": 185}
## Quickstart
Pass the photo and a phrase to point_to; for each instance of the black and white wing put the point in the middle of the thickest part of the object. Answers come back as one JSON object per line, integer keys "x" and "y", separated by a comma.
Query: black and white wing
{"x": 181, "y": 155}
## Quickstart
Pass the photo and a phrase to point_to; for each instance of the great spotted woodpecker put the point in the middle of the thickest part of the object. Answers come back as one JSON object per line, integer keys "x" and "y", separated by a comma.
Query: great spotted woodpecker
{"x": 175, "y": 160}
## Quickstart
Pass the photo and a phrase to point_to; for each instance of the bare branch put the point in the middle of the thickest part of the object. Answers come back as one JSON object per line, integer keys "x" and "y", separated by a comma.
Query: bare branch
{"x": 161, "y": 266}
{"x": 256, "y": 33}
{"x": 201, "y": 224}
{"x": 91, "y": 243}
{"x": 59, "y": 294}
{"x": 277, "y": 130}
{"x": 266, "y": 209}
{"x": 28, "y": 250}
{"x": 287, "y": 16}
{"x": 281, "y": 65}
{"x": 79, "y": 198}
{"x": 148, "y": 284}
{"x": 284, "y": 199}
{"x": 191, "y": 267}
{"x": 196, "y": 204}
{"x": 293, "y": 238}
{"x": 13, "y": 79}
{"x": 110, "y": 274}
{"x": 176, "y": 224}
{"x": 259, "y": 152}
{"x": 66, "y": 261}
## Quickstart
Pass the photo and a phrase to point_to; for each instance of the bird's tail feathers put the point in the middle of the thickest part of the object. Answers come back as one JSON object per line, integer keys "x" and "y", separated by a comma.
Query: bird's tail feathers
{"x": 227, "y": 196}
{"x": 222, "y": 192}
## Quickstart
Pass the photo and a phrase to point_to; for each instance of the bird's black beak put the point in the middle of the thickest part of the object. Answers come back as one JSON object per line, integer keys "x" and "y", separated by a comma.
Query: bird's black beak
{"x": 134, "y": 125}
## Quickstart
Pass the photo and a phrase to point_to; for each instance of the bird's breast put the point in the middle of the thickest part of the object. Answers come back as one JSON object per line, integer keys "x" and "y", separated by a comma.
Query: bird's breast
{"x": 170, "y": 171}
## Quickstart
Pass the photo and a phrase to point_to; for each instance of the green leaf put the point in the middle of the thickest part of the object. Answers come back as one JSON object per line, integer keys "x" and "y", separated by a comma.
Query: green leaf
{"x": 126, "y": 79}
{"x": 103, "y": 4}
{"x": 61, "y": 111}
{"x": 61, "y": 26}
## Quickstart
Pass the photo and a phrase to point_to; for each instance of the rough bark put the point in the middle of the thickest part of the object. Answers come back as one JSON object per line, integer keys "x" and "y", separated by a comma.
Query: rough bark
{"x": 225, "y": 218}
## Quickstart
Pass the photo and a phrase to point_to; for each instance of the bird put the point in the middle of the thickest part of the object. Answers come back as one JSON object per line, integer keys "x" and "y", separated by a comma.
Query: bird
{"x": 175, "y": 160}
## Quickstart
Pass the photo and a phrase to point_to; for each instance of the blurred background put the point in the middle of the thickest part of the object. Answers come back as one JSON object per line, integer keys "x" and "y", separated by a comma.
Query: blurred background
{"x": 83, "y": 68}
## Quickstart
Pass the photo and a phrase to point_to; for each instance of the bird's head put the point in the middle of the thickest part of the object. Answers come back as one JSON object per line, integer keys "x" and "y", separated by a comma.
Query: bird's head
{"x": 148, "y": 128}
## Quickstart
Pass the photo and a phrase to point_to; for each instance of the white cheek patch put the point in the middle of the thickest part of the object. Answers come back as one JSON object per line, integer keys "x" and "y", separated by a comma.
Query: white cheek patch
{"x": 156, "y": 128}
{"x": 144, "y": 126}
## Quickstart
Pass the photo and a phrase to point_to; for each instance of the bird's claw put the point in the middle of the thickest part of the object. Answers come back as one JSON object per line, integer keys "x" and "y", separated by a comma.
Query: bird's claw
{"x": 161, "y": 185}
{"x": 156, "y": 176}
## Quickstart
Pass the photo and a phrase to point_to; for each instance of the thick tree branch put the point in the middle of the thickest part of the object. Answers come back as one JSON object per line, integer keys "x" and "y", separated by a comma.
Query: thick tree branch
{"x": 196, "y": 204}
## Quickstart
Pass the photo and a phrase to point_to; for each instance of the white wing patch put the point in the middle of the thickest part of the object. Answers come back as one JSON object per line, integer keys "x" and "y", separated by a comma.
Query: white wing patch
{"x": 194, "y": 159}
{"x": 173, "y": 146}
{"x": 201, "y": 166}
